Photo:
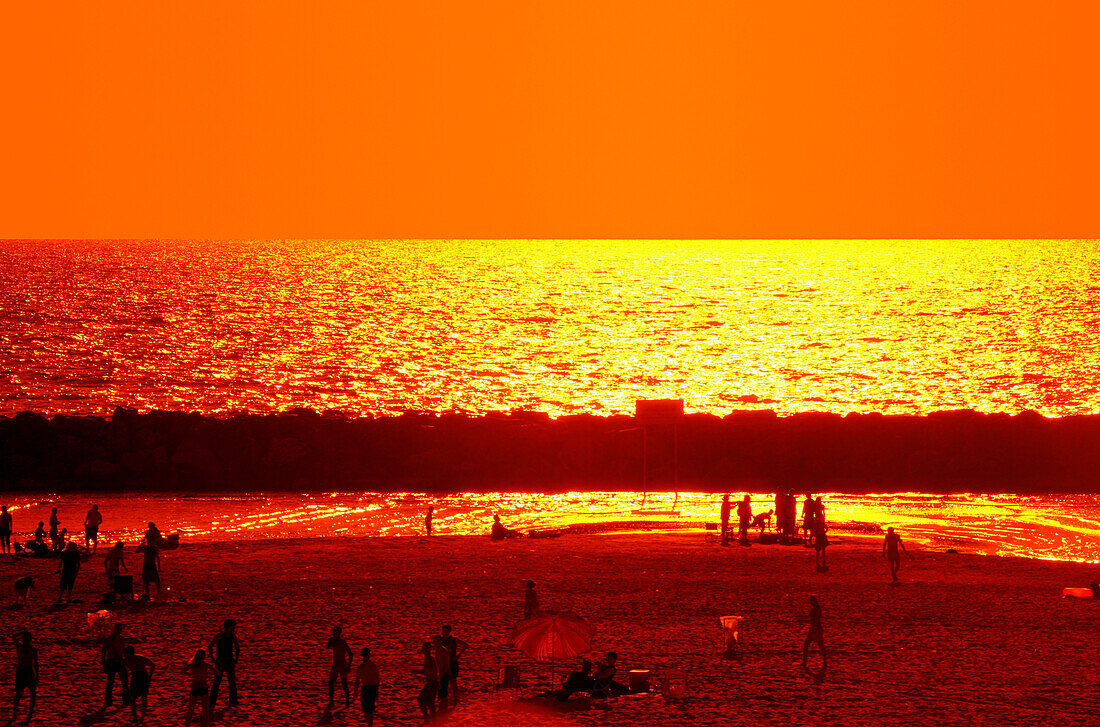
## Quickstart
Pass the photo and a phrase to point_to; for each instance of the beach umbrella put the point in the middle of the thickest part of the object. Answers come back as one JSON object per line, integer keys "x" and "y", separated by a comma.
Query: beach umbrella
{"x": 550, "y": 636}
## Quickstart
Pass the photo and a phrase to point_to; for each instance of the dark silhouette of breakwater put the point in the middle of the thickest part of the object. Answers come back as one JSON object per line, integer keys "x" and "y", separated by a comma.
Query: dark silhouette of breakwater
{"x": 302, "y": 450}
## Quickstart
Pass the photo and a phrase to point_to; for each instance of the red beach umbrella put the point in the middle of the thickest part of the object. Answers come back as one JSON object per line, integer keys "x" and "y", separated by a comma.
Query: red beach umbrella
{"x": 550, "y": 636}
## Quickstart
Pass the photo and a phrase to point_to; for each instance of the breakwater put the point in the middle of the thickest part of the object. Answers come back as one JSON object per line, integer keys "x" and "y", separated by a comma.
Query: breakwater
{"x": 302, "y": 450}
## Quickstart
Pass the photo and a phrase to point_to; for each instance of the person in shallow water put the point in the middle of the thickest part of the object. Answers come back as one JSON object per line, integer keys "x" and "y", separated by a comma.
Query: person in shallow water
{"x": 341, "y": 665}
{"x": 366, "y": 684}
{"x": 499, "y": 532}
{"x": 890, "y": 551}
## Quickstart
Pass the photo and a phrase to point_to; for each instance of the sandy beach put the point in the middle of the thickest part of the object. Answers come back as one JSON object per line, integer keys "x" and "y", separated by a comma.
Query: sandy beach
{"x": 965, "y": 639}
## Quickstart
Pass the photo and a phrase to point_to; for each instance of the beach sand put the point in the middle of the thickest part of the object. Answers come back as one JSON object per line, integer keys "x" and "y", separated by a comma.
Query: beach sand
{"x": 965, "y": 639}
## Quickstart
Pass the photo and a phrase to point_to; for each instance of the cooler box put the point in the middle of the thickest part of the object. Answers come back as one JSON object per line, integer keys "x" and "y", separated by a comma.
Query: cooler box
{"x": 124, "y": 585}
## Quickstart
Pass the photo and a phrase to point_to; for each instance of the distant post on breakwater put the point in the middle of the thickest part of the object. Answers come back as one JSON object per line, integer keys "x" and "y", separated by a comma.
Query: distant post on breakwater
{"x": 659, "y": 420}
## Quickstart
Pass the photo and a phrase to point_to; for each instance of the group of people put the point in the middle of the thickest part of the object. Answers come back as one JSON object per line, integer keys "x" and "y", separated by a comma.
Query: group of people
{"x": 56, "y": 540}
{"x": 814, "y": 526}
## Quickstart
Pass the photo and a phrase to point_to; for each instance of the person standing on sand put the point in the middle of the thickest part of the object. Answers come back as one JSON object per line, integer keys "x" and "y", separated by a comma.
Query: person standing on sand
{"x": 55, "y": 536}
{"x": 26, "y": 673}
{"x": 150, "y": 569}
{"x": 890, "y": 552}
{"x": 91, "y": 529}
{"x": 744, "y": 517}
{"x": 530, "y": 601}
{"x": 111, "y": 656}
{"x": 816, "y": 635}
{"x": 428, "y": 521}
{"x": 726, "y": 519}
{"x": 780, "y": 513}
{"x": 227, "y": 652}
{"x": 821, "y": 542}
{"x": 5, "y": 530}
{"x": 455, "y": 647}
{"x": 113, "y": 562}
{"x": 141, "y": 676}
{"x": 443, "y": 665}
{"x": 366, "y": 684}
{"x": 808, "y": 510}
{"x": 430, "y": 672}
{"x": 341, "y": 664}
{"x": 68, "y": 566}
{"x": 199, "y": 671}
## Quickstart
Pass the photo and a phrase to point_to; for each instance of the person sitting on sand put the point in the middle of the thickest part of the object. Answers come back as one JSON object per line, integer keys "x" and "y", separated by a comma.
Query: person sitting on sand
{"x": 113, "y": 562}
{"x": 530, "y": 601}
{"x": 92, "y": 521}
{"x": 816, "y": 635}
{"x": 821, "y": 542}
{"x": 499, "y": 532}
{"x": 199, "y": 671}
{"x": 604, "y": 677}
{"x": 40, "y": 533}
{"x": 111, "y": 658}
{"x": 890, "y": 552}
{"x": 150, "y": 569}
{"x": 577, "y": 681}
{"x": 762, "y": 521}
{"x": 430, "y": 672}
{"x": 140, "y": 670}
{"x": 5, "y": 530}
{"x": 26, "y": 673}
{"x": 341, "y": 665}
{"x": 68, "y": 566}
{"x": 366, "y": 684}
{"x": 22, "y": 590}
{"x": 744, "y": 517}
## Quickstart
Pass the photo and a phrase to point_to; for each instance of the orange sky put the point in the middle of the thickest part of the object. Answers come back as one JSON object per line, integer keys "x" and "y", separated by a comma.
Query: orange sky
{"x": 550, "y": 118}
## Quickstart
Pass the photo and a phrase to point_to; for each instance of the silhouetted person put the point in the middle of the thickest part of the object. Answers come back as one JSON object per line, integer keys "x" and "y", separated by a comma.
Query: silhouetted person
{"x": 605, "y": 675}
{"x": 428, "y": 521}
{"x": 530, "y": 601}
{"x": 726, "y": 519}
{"x": 577, "y": 681}
{"x": 39, "y": 535}
{"x": 23, "y": 588}
{"x": 890, "y": 551}
{"x": 68, "y": 565}
{"x": 816, "y": 635}
{"x": 780, "y": 511}
{"x": 5, "y": 530}
{"x": 55, "y": 535}
{"x": 455, "y": 648}
{"x": 113, "y": 562}
{"x": 199, "y": 671}
{"x": 140, "y": 670}
{"x": 26, "y": 673}
{"x": 150, "y": 568}
{"x": 809, "y": 507}
{"x": 430, "y": 672}
{"x": 366, "y": 684}
{"x": 341, "y": 665}
{"x": 443, "y": 666}
{"x": 153, "y": 536}
{"x": 92, "y": 522}
{"x": 821, "y": 542}
{"x": 227, "y": 652}
{"x": 499, "y": 532}
{"x": 744, "y": 517}
{"x": 111, "y": 657}
{"x": 819, "y": 513}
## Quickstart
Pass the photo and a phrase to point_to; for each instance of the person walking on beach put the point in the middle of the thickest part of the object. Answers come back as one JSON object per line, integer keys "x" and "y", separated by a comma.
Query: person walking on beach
{"x": 150, "y": 569}
{"x": 113, "y": 562}
{"x": 428, "y": 521}
{"x": 430, "y": 672}
{"x": 140, "y": 670}
{"x": 455, "y": 647}
{"x": 55, "y": 536}
{"x": 816, "y": 635}
{"x": 5, "y": 530}
{"x": 890, "y": 552}
{"x": 26, "y": 673}
{"x": 341, "y": 665}
{"x": 111, "y": 656}
{"x": 68, "y": 565}
{"x": 530, "y": 601}
{"x": 366, "y": 684}
{"x": 91, "y": 529}
{"x": 809, "y": 507}
{"x": 227, "y": 652}
{"x": 726, "y": 519}
{"x": 821, "y": 542}
{"x": 199, "y": 671}
{"x": 744, "y": 518}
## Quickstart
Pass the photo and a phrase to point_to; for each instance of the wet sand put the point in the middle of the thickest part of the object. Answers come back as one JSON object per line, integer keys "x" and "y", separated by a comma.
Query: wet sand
{"x": 965, "y": 639}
